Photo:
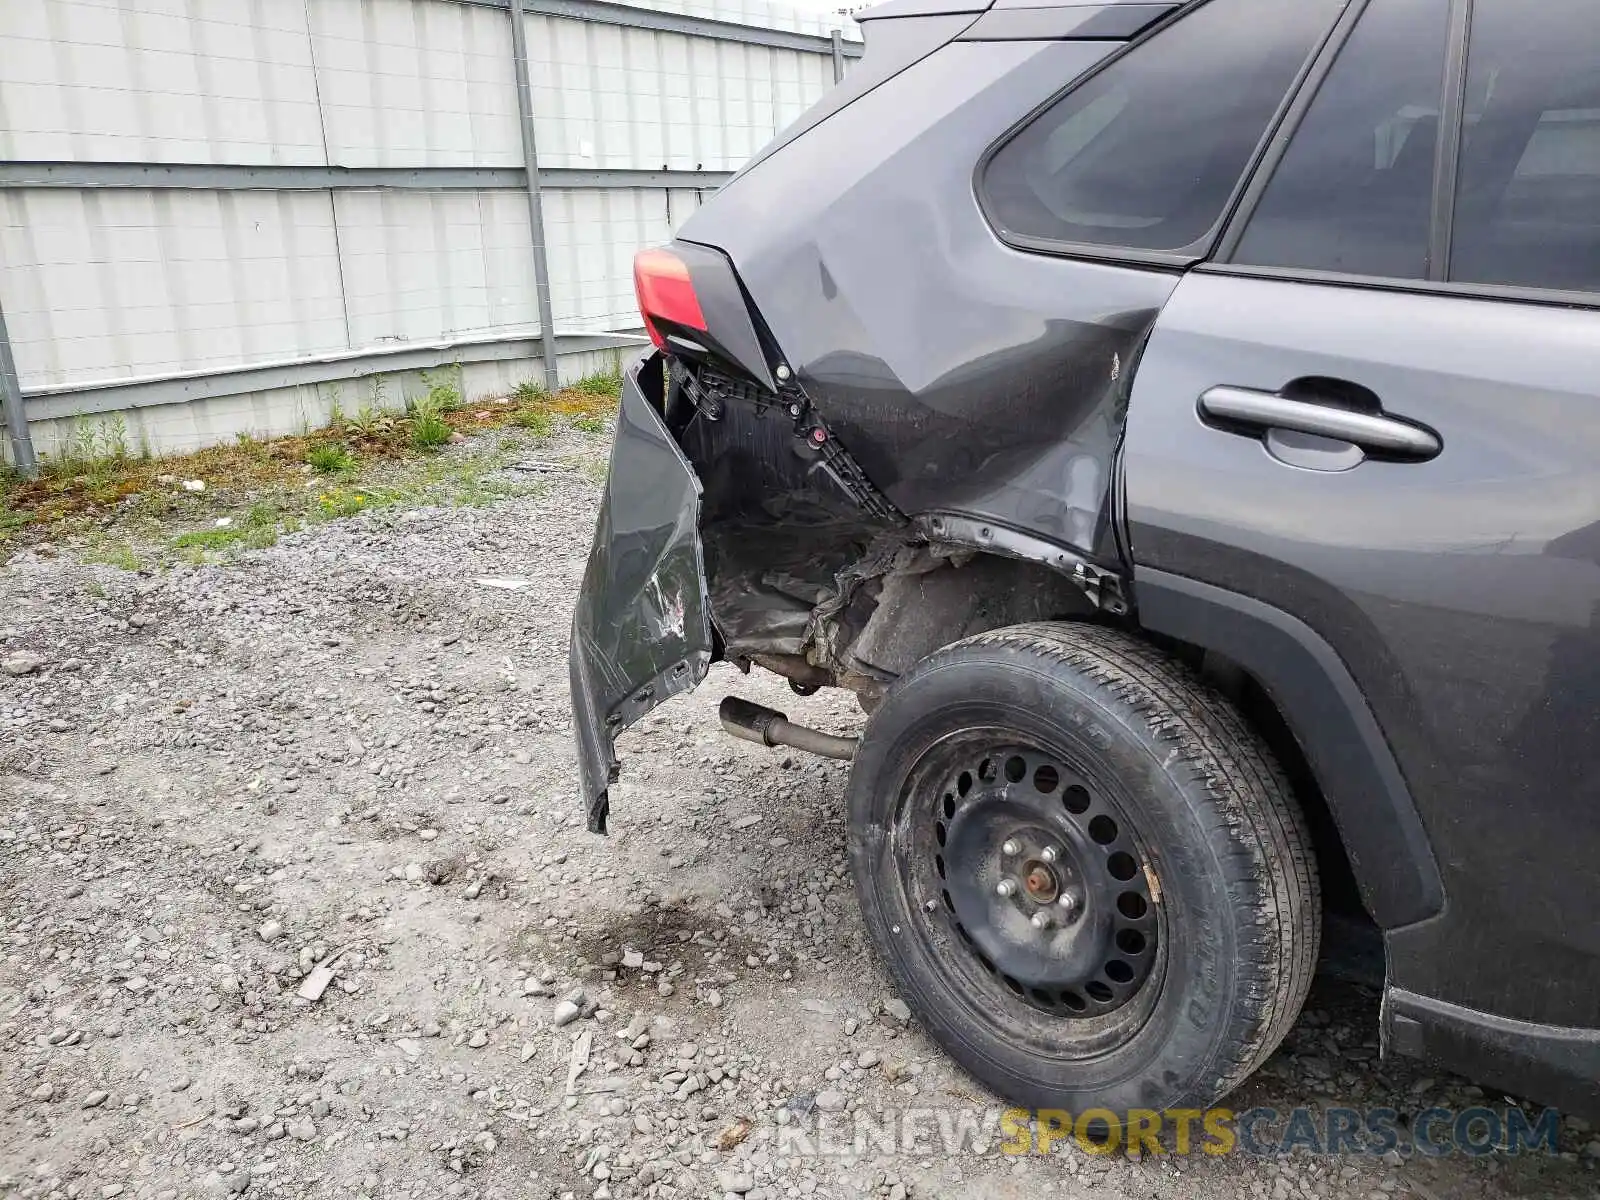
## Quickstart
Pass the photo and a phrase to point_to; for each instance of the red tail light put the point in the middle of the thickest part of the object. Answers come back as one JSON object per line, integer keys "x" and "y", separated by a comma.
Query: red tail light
{"x": 666, "y": 292}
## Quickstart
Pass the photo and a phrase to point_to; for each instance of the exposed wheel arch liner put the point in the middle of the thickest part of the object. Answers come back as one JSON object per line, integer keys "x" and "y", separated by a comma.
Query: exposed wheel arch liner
{"x": 1383, "y": 836}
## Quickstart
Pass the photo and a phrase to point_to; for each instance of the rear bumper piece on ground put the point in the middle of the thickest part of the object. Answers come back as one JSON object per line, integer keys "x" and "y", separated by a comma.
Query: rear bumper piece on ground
{"x": 641, "y": 632}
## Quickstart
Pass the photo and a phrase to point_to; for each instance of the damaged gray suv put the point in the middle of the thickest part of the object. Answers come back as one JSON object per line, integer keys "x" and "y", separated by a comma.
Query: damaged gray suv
{"x": 1179, "y": 425}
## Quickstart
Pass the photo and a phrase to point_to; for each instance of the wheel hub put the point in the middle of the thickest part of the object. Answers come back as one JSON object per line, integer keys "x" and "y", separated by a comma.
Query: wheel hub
{"x": 1044, "y": 883}
{"x": 1040, "y": 882}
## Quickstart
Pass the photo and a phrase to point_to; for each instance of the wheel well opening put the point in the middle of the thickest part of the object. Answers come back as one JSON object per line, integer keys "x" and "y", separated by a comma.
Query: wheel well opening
{"x": 1352, "y": 942}
{"x": 899, "y": 614}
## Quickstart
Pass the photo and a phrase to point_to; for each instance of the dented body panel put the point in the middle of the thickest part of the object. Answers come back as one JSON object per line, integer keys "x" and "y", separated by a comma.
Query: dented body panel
{"x": 963, "y": 375}
{"x": 890, "y": 429}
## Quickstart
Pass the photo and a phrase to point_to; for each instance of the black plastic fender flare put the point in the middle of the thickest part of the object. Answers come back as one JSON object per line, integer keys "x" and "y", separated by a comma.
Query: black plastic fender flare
{"x": 1367, "y": 795}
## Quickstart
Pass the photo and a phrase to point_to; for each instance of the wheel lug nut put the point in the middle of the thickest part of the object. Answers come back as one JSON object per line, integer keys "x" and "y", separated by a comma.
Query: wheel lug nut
{"x": 1011, "y": 849}
{"x": 1039, "y": 920}
{"x": 1049, "y": 854}
{"x": 1067, "y": 901}
{"x": 1006, "y": 887}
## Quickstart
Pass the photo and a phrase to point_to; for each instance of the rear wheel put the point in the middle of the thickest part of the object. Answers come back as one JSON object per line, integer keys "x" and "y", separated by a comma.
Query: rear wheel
{"x": 1086, "y": 874}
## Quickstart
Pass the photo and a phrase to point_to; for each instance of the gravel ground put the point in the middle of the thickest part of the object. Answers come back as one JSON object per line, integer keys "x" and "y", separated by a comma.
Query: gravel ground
{"x": 344, "y": 763}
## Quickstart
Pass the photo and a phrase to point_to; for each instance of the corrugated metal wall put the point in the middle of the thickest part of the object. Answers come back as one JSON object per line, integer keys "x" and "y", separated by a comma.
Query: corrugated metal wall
{"x": 119, "y": 281}
{"x": 639, "y": 98}
{"x": 108, "y": 284}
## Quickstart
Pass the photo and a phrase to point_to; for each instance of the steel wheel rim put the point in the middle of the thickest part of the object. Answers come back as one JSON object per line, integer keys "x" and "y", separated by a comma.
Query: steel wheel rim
{"x": 1087, "y": 982}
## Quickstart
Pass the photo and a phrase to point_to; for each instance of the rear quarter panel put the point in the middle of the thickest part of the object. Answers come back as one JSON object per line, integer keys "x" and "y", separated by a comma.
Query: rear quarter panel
{"x": 965, "y": 376}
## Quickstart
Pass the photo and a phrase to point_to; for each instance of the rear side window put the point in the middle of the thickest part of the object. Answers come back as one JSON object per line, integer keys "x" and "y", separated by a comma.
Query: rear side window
{"x": 1528, "y": 192}
{"x": 1354, "y": 190}
{"x": 1145, "y": 153}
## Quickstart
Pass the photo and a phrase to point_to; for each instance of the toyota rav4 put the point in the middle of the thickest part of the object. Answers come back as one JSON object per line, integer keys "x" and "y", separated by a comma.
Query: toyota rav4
{"x": 1179, "y": 425}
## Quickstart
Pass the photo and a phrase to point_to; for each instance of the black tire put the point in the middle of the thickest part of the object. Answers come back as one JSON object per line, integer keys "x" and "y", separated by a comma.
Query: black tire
{"x": 1197, "y": 991}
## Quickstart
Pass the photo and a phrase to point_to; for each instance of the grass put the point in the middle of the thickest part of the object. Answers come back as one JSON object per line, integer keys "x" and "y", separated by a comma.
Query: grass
{"x": 255, "y": 530}
{"x": 112, "y": 553}
{"x": 429, "y": 429}
{"x": 130, "y": 511}
{"x": 369, "y": 422}
{"x": 340, "y": 503}
{"x": 330, "y": 458}
{"x": 601, "y": 383}
{"x": 444, "y": 391}
{"x": 535, "y": 420}
{"x": 529, "y": 391}
{"x": 13, "y": 518}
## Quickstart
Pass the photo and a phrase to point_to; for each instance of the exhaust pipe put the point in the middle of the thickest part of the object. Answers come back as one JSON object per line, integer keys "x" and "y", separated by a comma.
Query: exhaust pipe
{"x": 768, "y": 727}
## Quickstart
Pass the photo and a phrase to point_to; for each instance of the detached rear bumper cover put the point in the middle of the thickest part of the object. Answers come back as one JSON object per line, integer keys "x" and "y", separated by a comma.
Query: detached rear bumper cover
{"x": 642, "y": 630}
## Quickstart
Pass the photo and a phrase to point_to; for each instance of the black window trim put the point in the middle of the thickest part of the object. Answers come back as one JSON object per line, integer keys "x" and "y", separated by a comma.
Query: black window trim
{"x": 1201, "y": 248}
{"x": 1549, "y": 297}
{"x": 1447, "y": 157}
{"x": 1300, "y": 102}
{"x": 1447, "y": 154}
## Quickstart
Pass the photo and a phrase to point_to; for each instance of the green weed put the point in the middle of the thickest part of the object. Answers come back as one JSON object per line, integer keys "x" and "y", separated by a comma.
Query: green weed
{"x": 330, "y": 457}
{"x": 12, "y": 517}
{"x": 369, "y": 421}
{"x": 252, "y": 537}
{"x": 534, "y": 420}
{"x": 601, "y": 383}
{"x": 429, "y": 432}
{"x": 529, "y": 391}
{"x": 429, "y": 429}
{"x": 90, "y": 451}
{"x": 262, "y": 514}
{"x": 253, "y": 446}
{"x": 113, "y": 554}
{"x": 336, "y": 417}
{"x": 444, "y": 389}
{"x": 341, "y": 503}
{"x": 207, "y": 539}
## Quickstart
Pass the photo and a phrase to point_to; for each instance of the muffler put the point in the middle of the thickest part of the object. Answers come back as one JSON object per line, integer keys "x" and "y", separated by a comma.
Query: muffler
{"x": 768, "y": 727}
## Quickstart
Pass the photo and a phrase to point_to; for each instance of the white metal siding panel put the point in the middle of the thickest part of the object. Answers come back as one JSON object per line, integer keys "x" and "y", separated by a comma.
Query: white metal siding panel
{"x": 116, "y": 284}
{"x": 760, "y": 14}
{"x": 591, "y": 235}
{"x": 607, "y": 96}
{"x": 508, "y": 253}
{"x": 416, "y": 83}
{"x": 157, "y": 81}
{"x": 681, "y": 203}
{"x": 421, "y": 264}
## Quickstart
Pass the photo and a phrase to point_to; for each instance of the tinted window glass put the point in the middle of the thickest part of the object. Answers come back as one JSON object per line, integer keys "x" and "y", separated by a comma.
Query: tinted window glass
{"x": 1354, "y": 190}
{"x": 1528, "y": 193}
{"x": 1146, "y": 153}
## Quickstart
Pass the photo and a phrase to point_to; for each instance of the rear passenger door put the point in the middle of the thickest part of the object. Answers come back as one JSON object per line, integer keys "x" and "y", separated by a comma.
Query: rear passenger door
{"x": 1377, "y": 410}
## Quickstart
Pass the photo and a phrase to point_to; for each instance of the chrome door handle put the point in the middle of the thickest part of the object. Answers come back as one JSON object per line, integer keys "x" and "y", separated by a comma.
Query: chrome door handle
{"x": 1267, "y": 410}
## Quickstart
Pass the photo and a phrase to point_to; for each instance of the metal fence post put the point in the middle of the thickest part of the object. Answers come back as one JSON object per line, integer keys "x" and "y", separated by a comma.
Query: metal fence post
{"x": 837, "y": 37}
{"x": 530, "y": 157}
{"x": 22, "y": 456}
